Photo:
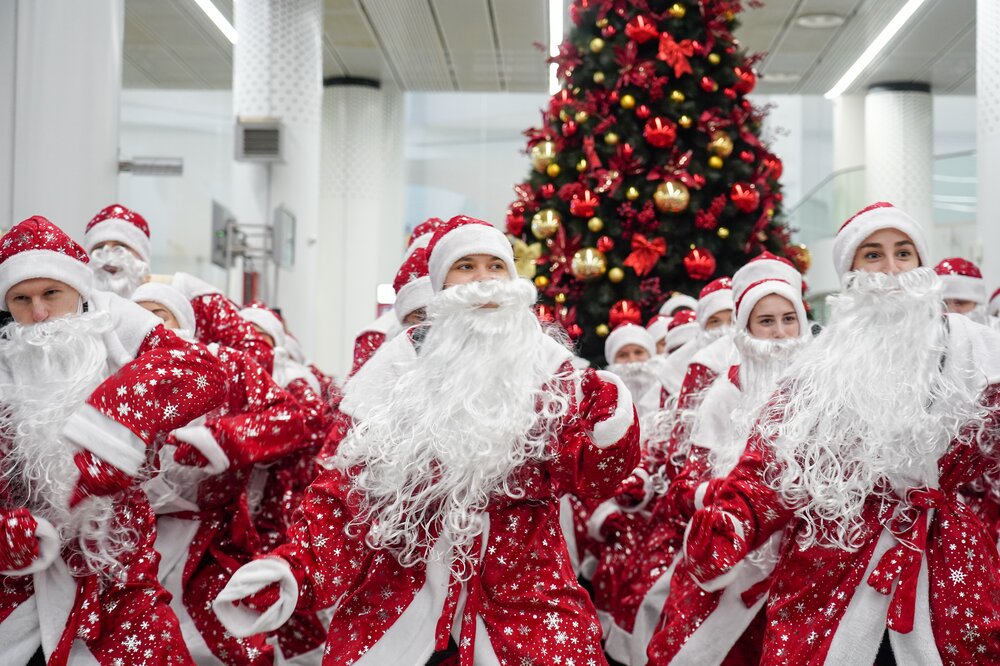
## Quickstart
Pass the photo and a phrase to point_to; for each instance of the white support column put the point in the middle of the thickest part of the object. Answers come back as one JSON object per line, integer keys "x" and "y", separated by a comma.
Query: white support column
{"x": 899, "y": 139}
{"x": 60, "y": 83}
{"x": 277, "y": 73}
{"x": 988, "y": 139}
{"x": 848, "y": 132}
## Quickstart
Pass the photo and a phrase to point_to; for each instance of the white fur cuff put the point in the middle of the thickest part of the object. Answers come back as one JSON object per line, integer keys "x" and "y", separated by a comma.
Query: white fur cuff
{"x": 201, "y": 438}
{"x": 48, "y": 550}
{"x": 105, "y": 438}
{"x": 613, "y": 428}
{"x": 699, "y": 495}
{"x": 241, "y": 621}
{"x": 597, "y": 518}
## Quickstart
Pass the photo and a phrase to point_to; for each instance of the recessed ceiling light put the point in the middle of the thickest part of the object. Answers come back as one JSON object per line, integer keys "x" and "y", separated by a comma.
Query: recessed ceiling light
{"x": 779, "y": 77}
{"x": 819, "y": 21}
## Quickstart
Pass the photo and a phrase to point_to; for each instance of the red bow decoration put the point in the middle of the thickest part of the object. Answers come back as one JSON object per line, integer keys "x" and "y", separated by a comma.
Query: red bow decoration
{"x": 623, "y": 163}
{"x": 677, "y": 169}
{"x": 676, "y": 54}
{"x": 631, "y": 70}
{"x": 645, "y": 253}
{"x": 566, "y": 60}
{"x": 561, "y": 252}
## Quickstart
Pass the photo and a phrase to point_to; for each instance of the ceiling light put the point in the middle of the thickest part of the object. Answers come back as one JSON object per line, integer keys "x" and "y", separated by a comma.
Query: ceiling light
{"x": 216, "y": 17}
{"x": 879, "y": 43}
{"x": 822, "y": 21}
{"x": 556, "y": 10}
{"x": 779, "y": 77}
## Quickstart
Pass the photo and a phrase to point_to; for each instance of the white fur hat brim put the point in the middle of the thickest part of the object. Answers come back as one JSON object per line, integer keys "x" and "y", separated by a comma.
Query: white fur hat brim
{"x": 465, "y": 240}
{"x": 762, "y": 269}
{"x": 412, "y": 296}
{"x": 658, "y": 329}
{"x": 34, "y": 264}
{"x": 119, "y": 231}
{"x": 758, "y": 290}
{"x": 629, "y": 334}
{"x": 268, "y": 322}
{"x": 964, "y": 288}
{"x": 680, "y": 335}
{"x": 717, "y": 301}
{"x": 678, "y": 301}
{"x": 171, "y": 299}
{"x": 855, "y": 231}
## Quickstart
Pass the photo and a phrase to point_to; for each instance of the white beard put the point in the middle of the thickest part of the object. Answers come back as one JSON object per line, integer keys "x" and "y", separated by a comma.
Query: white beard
{"x": 866, "y": 409}
{"x": 132, "y": 271}
{"x": 638, "y": 377}
{"x": 479, "y": 402}
{"x": 48, "y": 370}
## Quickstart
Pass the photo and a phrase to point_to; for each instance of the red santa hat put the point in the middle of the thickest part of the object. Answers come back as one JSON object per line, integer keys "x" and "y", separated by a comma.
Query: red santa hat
{"x": 681, "y": 329}
{"x": 962, "y": 280}
{"x": 171, "y": 299}
{"x": 657, "y": 327}
{"x": 412, "y": 285}
{"x": 773, "y": 285}
{"x": 627, "y": 334}
{"x": 765, "y": 265}
{"x": 120, "y": 224}
{"x": 994, "y": 306}
{"x": 716, "y": 296}
{"x": 678, "y": 300}
{"x": 878, "y": 216}
{"x": 462, "y": 236}
{"x": 267, "y": 321}
{"x": 36, "y": 248}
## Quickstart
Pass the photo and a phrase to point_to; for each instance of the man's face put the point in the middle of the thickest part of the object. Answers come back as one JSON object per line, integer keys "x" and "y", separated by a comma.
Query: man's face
{"x": 720, "y": 318}
{"x": 39, "y": 299}
{"x": 169, "y": 320}
{"x": 476, "y": 268}
{"x": 631, "y": 354}
{"x": 661, "y": 346}
{"x": 886, "y": 251}
{"x": 959, "y": 306}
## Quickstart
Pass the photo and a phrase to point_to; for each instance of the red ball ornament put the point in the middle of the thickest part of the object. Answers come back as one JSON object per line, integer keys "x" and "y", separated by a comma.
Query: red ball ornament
{"x": 569, "y": 128}
{"x": 745, "y": 80}
{"x": 746, "y": 156}
{"x": 773, "y": 167}
{"x": 729, "y": 93}
{"x": 547, "y": 191}
{"x": 605, "y": 244}
{"x": 545, "y": 312}
{"x": 609, "y": 31}
{"x": 642, "y": 112}
{"x": 699, "y": 264}
{"x": 708, "y": 85}
{"x": 584, "y": 205}
{"x": 660, "y": 132}
{"x": 515, "y": 221}
{"x": 699, "y": 180}
{"x": 625, "y": 312}
{"x": 574, "y": 331}
{"x": 613, "y": 97}
{"x": 641, "y": 29}
{"x": 745, "y": 197}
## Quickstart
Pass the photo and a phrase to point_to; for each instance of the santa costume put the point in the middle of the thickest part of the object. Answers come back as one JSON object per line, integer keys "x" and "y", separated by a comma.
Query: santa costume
{"x": 678, "y": 303}
{"x": 204, "y": 527}
{"x": 436, "y": 525}
{"x": 83, "y": 397}
{"x": 118, "y": 240}
{"x": 963, "y": 282}
{"x": 858, "y": 459}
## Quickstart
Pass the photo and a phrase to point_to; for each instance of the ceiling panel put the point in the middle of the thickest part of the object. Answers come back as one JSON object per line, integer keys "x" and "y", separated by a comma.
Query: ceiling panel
{"x": 520, "y": 25}
{"x": 468, "y": 33}
{"x": 411, "y": 40}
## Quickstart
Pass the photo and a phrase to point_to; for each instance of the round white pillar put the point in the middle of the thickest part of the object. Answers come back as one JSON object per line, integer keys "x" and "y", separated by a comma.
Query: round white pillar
{"x": 899, "y": 139}
{"x": 848, "y": 132}
{"x": 60, "y": 81}
{"x": 277, "y": 73}
{"x": 988, "y": 139}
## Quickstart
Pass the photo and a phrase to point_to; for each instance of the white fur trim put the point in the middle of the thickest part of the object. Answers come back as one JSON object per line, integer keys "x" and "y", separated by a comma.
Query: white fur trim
{"x": 412, "y": 296}
{"x": 618, "y": 643}
{"x": 755, "y": 293}
{"x": 613, "y": 428}
{"x": 423, "y": 240}
{"x": 132, "y": 325}
{"x": 764, "y": 269}
{"x": 201, "y": 438}
{"x": 681, "y": 335}
{"x": 648, "y": 616}
{"x": 369, "y": 385}
{"x": 673, "y": 371}
{"x": 120, "y": 231}
{"x": 678, "y": 301}
{"x": 169, "y": 297}
{"x": 717, "y": 301}
{"x": 568, "y": 527}
{"x": 699, "y": 495}
{"x": 32, "y": 264}
{"x": 596, "y": 520}
{"x": 385, "y": 324}
{"x": 20, "y": 632}
{"x": 268, "y": 321}
{"x": 647, "y": 486}
{"x": 658, "y": 329}
{"x": 55, "y": 593}
{"x": 49, "y": 547}
{"x": 964, "y": 288}
{"x": 628, "y": 334}
{"x": 241, "y": 621}
{"x": 191, "y": 286}
{"x": 716, "y": 636}
{"x": 718, "y": 356}
{"x": 105, "y": 438}
{"x": 466, "y": 240}
{"x": 848, "y": 239}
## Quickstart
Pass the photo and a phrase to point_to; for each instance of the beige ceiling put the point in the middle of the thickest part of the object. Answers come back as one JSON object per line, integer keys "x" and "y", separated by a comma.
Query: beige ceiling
{"x": 490, "y": 45}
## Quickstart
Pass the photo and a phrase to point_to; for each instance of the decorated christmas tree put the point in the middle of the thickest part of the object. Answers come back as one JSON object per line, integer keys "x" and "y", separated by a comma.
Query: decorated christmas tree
{"x": 648, "y": 173}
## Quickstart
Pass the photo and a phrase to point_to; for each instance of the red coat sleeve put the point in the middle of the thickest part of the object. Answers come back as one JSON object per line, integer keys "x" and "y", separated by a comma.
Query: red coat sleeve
{"x": 697, "y": 379}
{"x": 682, "y": 489}
{"x": 315, "y": 412}
{"x": 365, "y": 345}
{"x": 218, "y": 320}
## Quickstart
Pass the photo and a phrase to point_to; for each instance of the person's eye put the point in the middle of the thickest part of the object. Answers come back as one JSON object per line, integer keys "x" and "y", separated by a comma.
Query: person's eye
{"x": 497, "y": 266}
{"x": 20, "y": 299}
{"x": 791, "y": 319}
{"x": 872, "y": 256}
{"x": 52, "y": 292}
{"x": 766, "y": 321}
{"x": 903, "y": 253}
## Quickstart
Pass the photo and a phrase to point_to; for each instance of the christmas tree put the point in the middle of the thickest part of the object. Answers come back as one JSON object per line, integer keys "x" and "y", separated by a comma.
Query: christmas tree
{"x": 649, "y": 174}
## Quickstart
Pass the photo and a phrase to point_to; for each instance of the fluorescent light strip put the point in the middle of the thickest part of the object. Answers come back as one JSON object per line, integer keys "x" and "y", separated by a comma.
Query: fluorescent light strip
{"x": 556, "y": 11}
{"x": 216, "y": 17}
{"x": 879, "y": 43}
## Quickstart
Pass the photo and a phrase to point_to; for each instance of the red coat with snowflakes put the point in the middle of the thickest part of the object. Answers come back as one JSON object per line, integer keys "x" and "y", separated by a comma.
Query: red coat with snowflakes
{"x": 928, "y": 570}
{"x": 371, "y": 338}
{"x": 522, "y": 603}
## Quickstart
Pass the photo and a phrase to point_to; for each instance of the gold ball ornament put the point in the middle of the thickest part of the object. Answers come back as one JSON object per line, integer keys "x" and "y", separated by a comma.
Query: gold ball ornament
{"x": 720, "y": 144}
{"x": 563, "y": 116}
{"x": 805, "y": 258}
{"x": 588, "y": 263}
{"x": 677, "y": 10}
{"x": 611, "y": 139}
{"x": 581, "y": 166}
{"x": 631, "y": 194}
{"x": 715, "y": 162}
{"x": 596, "y": 45}
{"x": 677, "y": 96}
{"x": 627, "y": 102}
{"x": 714, "y": 58}
{"x": 616, "y": 275}
{"x": 723, "y": 233}
{"x": 598, "y": 77}
{"x": 581, "y": 116}
{"x": 560, "y": 298}
{"x": 595, "y": 224}
{"x": 770, "y": 213}
{"x": 671, "y": 196}
{"x": 553, "y": 170}
{"x": 542, "y": 281}
{"x": 685, "y": 121}
{"x": 602, "y": 330}
{"x": 602, "y": 23}
{"x": 545, "y": 223}
{"x": 542, "y": 154}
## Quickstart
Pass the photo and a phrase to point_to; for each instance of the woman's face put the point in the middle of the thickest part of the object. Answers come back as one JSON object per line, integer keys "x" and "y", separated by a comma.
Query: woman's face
{"x": 886, "y": 251}
{"x": 476, "y": 268}
{"x": 773, "y": 318}
{"x": 720, "y": 318}
{"x": 631, "y": 354}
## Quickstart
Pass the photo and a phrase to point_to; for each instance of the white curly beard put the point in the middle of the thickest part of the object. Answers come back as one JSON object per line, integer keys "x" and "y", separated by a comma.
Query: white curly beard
{"x": 47, "y": 371}
{"x": 452, "y": 432}
{"x": 131, "y": 270}
{"x": 638, "y": 376}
